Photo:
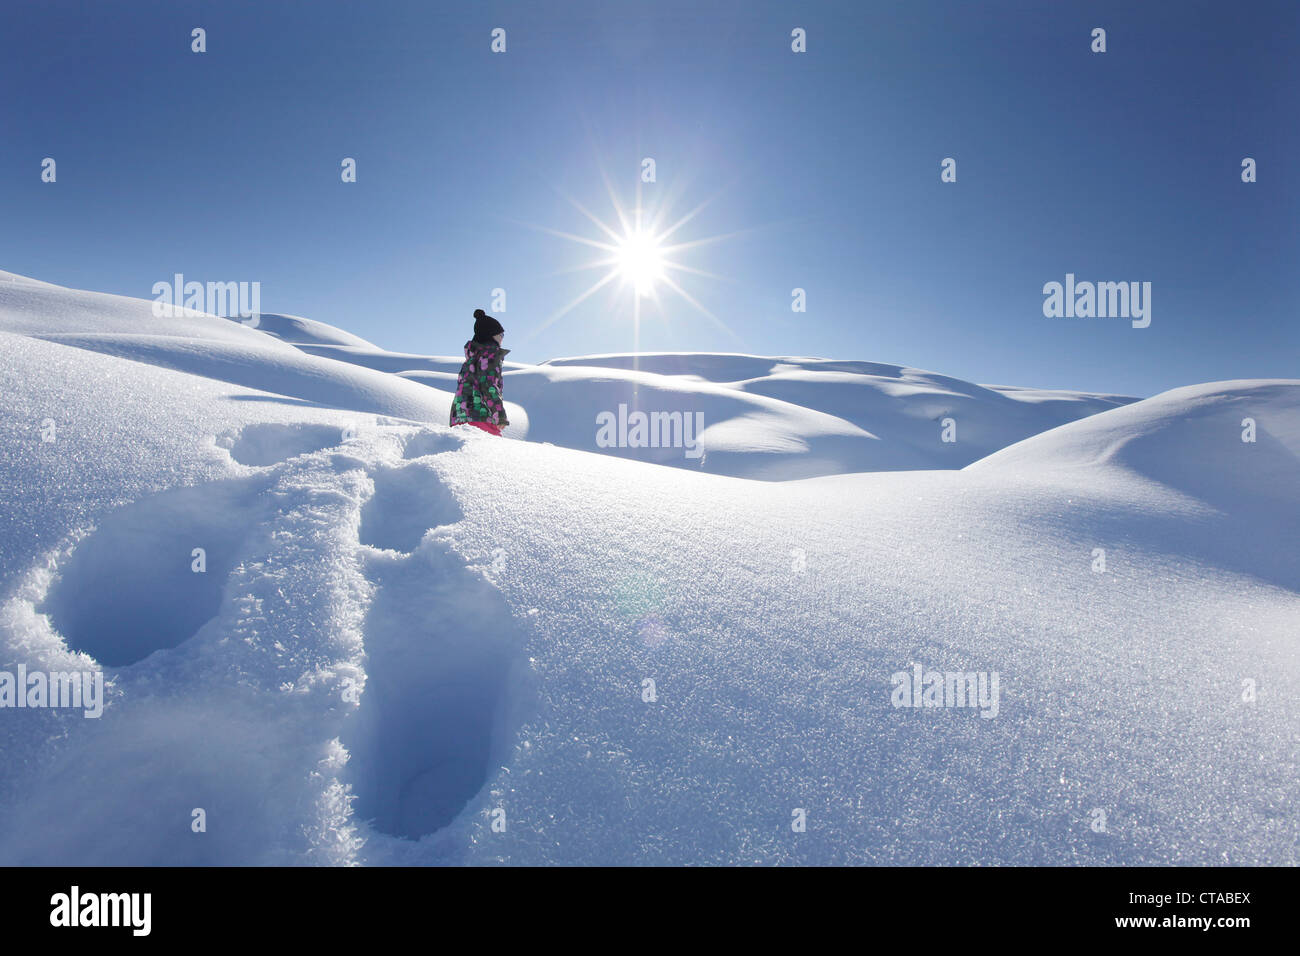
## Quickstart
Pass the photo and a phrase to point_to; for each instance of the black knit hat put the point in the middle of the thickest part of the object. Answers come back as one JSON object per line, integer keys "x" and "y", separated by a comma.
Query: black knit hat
{"x": 485, "y": 326}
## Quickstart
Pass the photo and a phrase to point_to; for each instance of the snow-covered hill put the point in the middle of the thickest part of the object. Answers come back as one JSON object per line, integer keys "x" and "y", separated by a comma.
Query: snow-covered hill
{"x": 296, "y": 330}
{"x": 412, "y": 644}
{"x": 782, "y": 418}
{"x": 769, "y": 418}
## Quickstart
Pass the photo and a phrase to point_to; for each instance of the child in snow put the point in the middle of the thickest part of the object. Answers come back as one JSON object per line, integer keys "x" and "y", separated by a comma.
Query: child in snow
{"x": 478, "y": 400}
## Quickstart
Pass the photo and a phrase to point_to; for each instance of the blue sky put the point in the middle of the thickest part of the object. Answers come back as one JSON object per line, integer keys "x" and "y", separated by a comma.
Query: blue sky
{"x": 820, "y": 170}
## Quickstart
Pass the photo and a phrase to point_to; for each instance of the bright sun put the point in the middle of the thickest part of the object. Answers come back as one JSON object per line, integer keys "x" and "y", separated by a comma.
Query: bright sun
{"x": 640, "y": 261}
{"x": 638, "y": 255}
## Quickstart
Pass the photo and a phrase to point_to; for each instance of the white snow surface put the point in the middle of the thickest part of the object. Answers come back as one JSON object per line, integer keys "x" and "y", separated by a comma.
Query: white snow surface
{"x": 780, "y": 418}
{"x": 296, "y": 330}
{"x": 423, "y": 645}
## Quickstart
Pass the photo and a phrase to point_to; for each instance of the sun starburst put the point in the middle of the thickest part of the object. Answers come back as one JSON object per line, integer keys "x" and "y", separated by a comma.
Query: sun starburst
{"x": 641, "y": 261}
{"x": 638, "y": 261}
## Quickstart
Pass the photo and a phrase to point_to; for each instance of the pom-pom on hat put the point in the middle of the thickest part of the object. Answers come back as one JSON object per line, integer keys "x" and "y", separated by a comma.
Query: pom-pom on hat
{"x": 485, "y": 327}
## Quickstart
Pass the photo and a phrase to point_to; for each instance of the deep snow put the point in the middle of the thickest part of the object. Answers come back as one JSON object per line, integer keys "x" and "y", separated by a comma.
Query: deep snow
{"x": 405, "y": 631}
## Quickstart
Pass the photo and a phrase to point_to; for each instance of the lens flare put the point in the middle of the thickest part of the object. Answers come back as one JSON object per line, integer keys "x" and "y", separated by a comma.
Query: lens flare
{"x": 640, "y": 261}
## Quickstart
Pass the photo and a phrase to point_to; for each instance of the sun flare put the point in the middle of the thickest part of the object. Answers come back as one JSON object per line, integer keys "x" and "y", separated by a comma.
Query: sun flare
{"x": 638, "y": 254}
{"x": 640, "y": 261}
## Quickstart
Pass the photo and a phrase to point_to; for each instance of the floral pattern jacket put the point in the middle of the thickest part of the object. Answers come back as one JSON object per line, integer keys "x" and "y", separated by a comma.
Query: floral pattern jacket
{"x": 479, "y": 386}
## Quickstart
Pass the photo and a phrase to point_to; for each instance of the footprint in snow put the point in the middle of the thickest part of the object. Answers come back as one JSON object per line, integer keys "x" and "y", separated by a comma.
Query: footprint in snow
{"x": 151, "y": 574}
{"x": 269, "y": 444}
{"x": 408, "y": 501}
{"x": 440, "y": 707}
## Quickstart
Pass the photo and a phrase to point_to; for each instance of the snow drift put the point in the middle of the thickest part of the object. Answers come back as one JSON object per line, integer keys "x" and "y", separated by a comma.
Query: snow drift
{"x": 347, "y": 635}
{"x": 775, "y": 418}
